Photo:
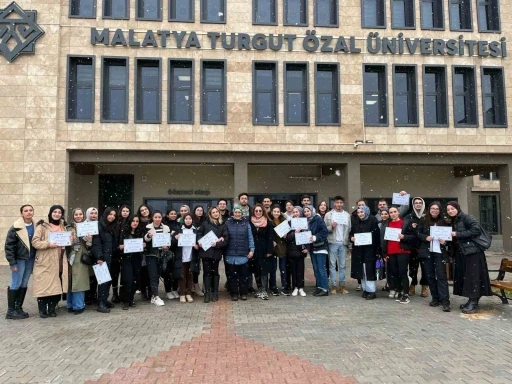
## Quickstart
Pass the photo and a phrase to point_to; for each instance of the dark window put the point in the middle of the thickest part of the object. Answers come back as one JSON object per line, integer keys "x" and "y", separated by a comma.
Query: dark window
{"x": 116, "y": 9}
{"x": 435, "y": 104}
{"x": 295, "y": 12}
{"x": 213, "y": 11}
{"x": 405, "y": 95}
{"x": 460, "y": 15}
{"x": 327, "y": 94}
{"x": 373, "y": 14}
{"x": 402, "y": 14}
{"x": 326, "y": 13}
{"x": 265, "y": 12}
{"x": 80, "y": 95}
{"x": 181, "y": 91}
{"x": 148, "y": 91}
{"x": 432, "y": 14}
{"x": 213, "y": 92}
{"x": 264, "y": 94}
{"x": 375, "y": 95}
{"x": 85, "y": 9}
{"x": 181, "y": 10}
{"x": 464, "y": 97}
{"x": 148, "y": 10}
{"x": 114, "y": 105}
{"x": 296, "y": 110}
{"x": 490, "y": 176}
{"x": 489, "y": 212}
{"x": 488, "y": 16}
{"x": 493, "y": 97}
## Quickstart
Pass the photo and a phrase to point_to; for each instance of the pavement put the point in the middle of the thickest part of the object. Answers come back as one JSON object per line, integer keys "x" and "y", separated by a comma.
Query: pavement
{"x": 335, "y": 339}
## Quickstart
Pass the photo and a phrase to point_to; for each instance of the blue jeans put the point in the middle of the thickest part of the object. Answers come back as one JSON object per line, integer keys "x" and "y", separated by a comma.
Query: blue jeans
{"x": 320, "y": 269}
{"x": 282, "y": 271}
{"x": 337, "y": 252}
{"x": 76, "y": 300}
{"x": 19, "y": 279}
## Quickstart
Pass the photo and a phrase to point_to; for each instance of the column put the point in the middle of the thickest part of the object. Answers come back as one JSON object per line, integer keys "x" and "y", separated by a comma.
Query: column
{"x": 241, "y": 177}
{"x": 352, "y": 185}
{"x": 505, "y": 173}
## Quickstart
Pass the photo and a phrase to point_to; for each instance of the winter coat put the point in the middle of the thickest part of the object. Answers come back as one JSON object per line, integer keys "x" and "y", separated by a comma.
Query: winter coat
{"x": 410, "y": 237}
{"x": 318, "y": 229}
{"x": 292, "y": 249}
{"x": 49, "y": 264}
{"x": 17, "y": 243}
{"x": 149, "y": 250}
{"x": 78, "y": 273}
{"x": 120, "y": 228}
{"x": 365, "y": 254}
{"x": 424, "y": 232}
{"x": 104, "y": 243}
{"x": 466, "y": 228}
{"x": 331, "y": 238}
{"x": 263, "y": 246}
{"x": 220, "y": 230}
{"x": 178, "y": 255}
{"x": 238, "y": 244}
{"x": 280, "y": 242}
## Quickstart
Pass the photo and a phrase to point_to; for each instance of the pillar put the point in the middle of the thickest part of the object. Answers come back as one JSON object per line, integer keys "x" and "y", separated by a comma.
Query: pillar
{"x": 241, "y": 177}
{"x": 352, "y": 184}
{"x": 505, "y": 173}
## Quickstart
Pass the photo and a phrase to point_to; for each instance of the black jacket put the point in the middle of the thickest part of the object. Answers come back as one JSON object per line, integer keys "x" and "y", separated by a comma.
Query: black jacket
{"x": 17, "y": 243}
{"x": 410, "y": 237}
{"x": 220, "y": 230}
{"x": 104, "y": 243}
{"x": 424, "y": 232}
{"x": 365, "y": 254}
{"x": 466, "y": 228}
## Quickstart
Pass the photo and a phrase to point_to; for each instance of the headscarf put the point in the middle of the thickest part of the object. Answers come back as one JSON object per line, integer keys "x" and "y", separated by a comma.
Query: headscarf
{"x": 88, "y": 213}
{"x": 300, "y": 209}
{"x": 366, "y": 212}
{"x": 237, "y": 208}
{"x": 51, "y": 220}
{"x": 419, "y": 214}
{"x": 313, "y": 212}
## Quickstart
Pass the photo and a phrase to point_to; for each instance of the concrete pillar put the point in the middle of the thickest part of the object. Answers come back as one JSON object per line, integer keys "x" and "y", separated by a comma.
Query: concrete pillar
{"x": 352, "y": 185}
{"x": 505, "y": 172}
{"x": 241, "y": 177}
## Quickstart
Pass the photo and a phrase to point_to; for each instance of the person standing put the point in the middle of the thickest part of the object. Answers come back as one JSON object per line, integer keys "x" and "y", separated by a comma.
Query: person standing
{"x": 195, "y": 268}
{"x": 144, "y": 214}
{"x": 263, "y": 240}
{"x": 130, "y": 262}
{"x": 91, "y": 296}
{"x": 222, "y": 206}
{"x": 171, "y": 284}
{"x": 243, "y": 199}
{"x": 185, "y": 257}
{"x": 122, "y": 216}
{"x": 279, "y": 256}
{"x": 267, "y": 203}
{"x": 295, "y": 255}
{"x": 322, "y": 209}
{"x": 20, "y": 254}
{"x": 305, "y": 200}
{"x": 318, "y": 250}
{"x": 289, "y": 208}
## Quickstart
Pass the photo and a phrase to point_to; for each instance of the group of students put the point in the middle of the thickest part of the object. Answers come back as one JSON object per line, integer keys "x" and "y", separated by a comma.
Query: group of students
{"x": 251, "y": 249}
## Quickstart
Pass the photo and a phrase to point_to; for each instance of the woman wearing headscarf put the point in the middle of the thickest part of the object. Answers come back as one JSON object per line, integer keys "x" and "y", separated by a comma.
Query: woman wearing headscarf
{"x": 123, "y": 213}
{"x": 471, "y": 275}
{"x": 144, "y": 214}
{"x": 185, "y": 257}
{"x": 264, "y": 247}
{"x": 295, "y": 255}
{"x": 91, "y": 295}
{"x": 318, "y": 250}
{"x": 383, "y": 224}
{"x": 50, "y": 263}
{"x": 199, "y": 217}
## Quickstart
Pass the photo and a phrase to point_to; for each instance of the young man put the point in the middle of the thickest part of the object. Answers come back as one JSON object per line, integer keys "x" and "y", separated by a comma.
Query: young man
{"x": 222, "y": 205}
{"x": 381, "y": 205}
{"x": 418, "y": 208}
{"x": 338, "y": 224}
{"x": 243, "y": 199}
{"x": 267, "y": 203}
{"x": 305, "y": 200}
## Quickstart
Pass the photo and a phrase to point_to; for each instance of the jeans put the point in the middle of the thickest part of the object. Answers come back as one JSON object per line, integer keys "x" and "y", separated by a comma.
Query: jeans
{"x": 281, "y": 261}
{"x": 368, "y": 286}
{"x": 76, "y": 300}
{"x": 320, "y": 269}
{"x": 337, "y": 252}
{"x": 154, "y": 274}
{"x": 436, "y": 271}
{"x": 19, "y": 279}
{"x": 397, "y": 265}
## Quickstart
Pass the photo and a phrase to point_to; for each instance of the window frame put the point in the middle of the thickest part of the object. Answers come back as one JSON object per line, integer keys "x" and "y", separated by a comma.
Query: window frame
{"x": 454, "y": 95}
{"x": 276, "y": 10}
{"x": 498, "y": 17}
{"x": 415, "y": 90}
{"x": 470, "y": 29}
{"x": 384, "y": 17}
{"x": 275, "y": 90}
{"x": 202, "y": 8}
{"x": 136, "y": 84}
{"x": 137, "y": 16}
{"x": 385, "y": 92}
{"x": 445, "y": 93}
{"x": 95, "y": 10}
{"x": 504, "y": 101}
{"x": 169, "y": 90}
{"x": 306, "y": 12}
{"x": 224, "y": 90}
{"x": 192, "y": 10}
{"x": 441, "y": 8}
{"x": 336, "y": 92}
{"x": 412, "y": 4}
{"x": 306, "y": 93}
{"x": 93, "y": 88}
{"x": 102, "y": 88}
{"x": 127, "y": 17}
{"x": 337, "y": 15}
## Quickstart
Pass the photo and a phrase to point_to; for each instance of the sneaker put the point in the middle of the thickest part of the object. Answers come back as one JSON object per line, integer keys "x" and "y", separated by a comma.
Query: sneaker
{"x": 333, "y": 290}
{"x": 302, "y": 293}
{"x": 343, "y": 290}
{"x": 285, "y": 292}
{"x": 189, "y": 298}
{"x": 275, "y": 292}
{"x": 295, "y": 292}
{"x": 243, "y": 297}
{"x": 197, "y": 290}
{"x": 137, "y": 292}
{"x": 371, "y": 296}
{"x": 405, "y": 299}
{"x": 434, "y": 303}
{"x": 257, "y": 294}
{"x": 176, "y": 294}
{"x": 170, "y": 295}
{"x": 264, "y": 295}
{"x": 392, "y": 294}
{"x": 446, "y": 306}
{"x": 358, "y": 288}
{"x": 398, "y": 296}
{"x": 157, "y": 301}
{"x": 322, "y": 293}
{"x": 183, "y": 299}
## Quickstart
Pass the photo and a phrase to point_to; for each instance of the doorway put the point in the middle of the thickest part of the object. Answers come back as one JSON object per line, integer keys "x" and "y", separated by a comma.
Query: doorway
{"x": 489, "y": 212}
{"x": 114, "y": 191}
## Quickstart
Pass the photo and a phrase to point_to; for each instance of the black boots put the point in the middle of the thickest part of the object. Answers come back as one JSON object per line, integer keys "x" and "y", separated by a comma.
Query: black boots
{"x": 102, "y": 307}
{"x": 42, "y": 304}
{"x": 22, "y": 292}
{"x": 12, "y": 312}
{"x": 115, "y": 295}
{"x": 52, "y": 304}
{"x": 207, "y": 284}
{"x": 462, "y": 306}
{"x": 446, "y": 305}
{"x": 471, "y": 307}
{"x": 215, "y": 288}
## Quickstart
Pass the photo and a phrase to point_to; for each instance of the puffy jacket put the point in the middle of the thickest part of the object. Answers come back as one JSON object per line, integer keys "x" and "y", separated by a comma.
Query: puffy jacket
{"x": 104, "y": 243}
{"x": 318, "y": 229}
{"x": 149, "y": 250}
{"x": 220, "y": 230}
{"x": 238, "y": 244}
{"x": 466, "y": 228}
{"x": 17, "y": 243}
{"x": 292, "y": 249}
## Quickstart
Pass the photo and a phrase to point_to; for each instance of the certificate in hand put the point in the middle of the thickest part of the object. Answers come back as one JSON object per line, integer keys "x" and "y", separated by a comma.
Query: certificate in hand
{"x": 161, "y": 240}
{"x": 133, "y": 245}
{"x": 441, "y": 232}
{"x": 299, "y": 223}
{"x": 102, "y": 273}
{"x": 399, "y": 199}
{"x": 282, "y": 229}
{"x": 62, "y": 239}
{"x": 364, "y": 238}
{"x": 87, "y": 228}
{"x": 392, "y": 234}
{"x": 187, "y": 240}
{"x": 303, "y": 238}
{"x": 207, "y": 240}
{"x": 340, "y": 218}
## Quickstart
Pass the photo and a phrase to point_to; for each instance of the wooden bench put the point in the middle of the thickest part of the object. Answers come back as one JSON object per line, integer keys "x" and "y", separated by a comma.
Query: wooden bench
{"x": 503, "y": 285}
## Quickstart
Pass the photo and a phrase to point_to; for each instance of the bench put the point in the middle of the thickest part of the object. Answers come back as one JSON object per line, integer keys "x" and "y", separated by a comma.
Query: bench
{"x": 503, "y": 285}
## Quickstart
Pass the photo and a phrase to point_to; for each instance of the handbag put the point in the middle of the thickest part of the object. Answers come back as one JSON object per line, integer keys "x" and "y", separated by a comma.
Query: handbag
{"x": 380, "y": 269}
{"x": 483, "y": 241}
{"x": 87, "y": 258}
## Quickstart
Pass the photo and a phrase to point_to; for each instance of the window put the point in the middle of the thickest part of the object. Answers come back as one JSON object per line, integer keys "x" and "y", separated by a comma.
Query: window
{"x": 213, "y": 11}
{"x": 326, "y": 13}
{"x": 148, "y": 10}
{"x": 116, "y": 9}
{"x": 114, "y": 90}
{"x": 493, "y": 97}
{"x": 405, "y": 95}
{"x": 327, "y": 94}
{"x": 375, "y": 90}
{"x": 181, "y": 91}
{"x": 432, "y": 14}
{"x": 264, "y": 93}
{"x": 435, "y": 103}
{"x": 84, "y": 9}
{"x": 295, "y": 12}
{"x": 460, "y": 15}
{"x": 148, "y": 92}
{"x": 296, "y": 110}
{"x": 80, "y": 92}
{"x": 403, "y": 14}
{"x": 213, "y": 92}
{"x": 464, "y": 97}
{"x": 264, "y": 12}
{"x": 488, "y": 16}
{"x": 181, "y": 10}
{"x": 373, "y": 14}
{"x": 489, "y": 176}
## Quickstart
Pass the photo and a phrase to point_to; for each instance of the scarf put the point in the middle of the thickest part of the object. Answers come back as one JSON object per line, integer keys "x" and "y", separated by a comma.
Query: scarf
{"x": 259, "y": 223}
{"x": 88, "y": 213}
{"x": 51, "y": 220}
{"x": 313, "y": 212}
{"x": 366, "y": 212}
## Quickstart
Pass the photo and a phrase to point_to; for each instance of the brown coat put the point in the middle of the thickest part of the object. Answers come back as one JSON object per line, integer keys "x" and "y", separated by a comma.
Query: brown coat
{"x": 49, "y": 263}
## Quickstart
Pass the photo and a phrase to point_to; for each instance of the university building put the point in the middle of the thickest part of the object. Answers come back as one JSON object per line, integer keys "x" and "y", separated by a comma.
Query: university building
{"x": 185, "y": 101}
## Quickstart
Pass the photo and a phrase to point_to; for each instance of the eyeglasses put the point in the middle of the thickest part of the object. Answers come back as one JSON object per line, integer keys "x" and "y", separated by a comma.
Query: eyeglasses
{"x": 258, "y": 210}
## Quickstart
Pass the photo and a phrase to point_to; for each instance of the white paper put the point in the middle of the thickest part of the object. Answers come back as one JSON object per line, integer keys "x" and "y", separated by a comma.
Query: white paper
{"x": 87, "y": 228}
{"x": 340, "y": 218}
{"x": 435, "y": 246}
{"x": 441, "y": 232}
{"x": 161, "y": 240}
{"x": 364, "y": 238}
{"x": 62, "y": 239}
{"x": 102, "y": 273}
{"x": 398, "y": 199}
{"x": 392, "y": 234}
{"x": 282, "y": 229}
{"x": 133, "y": 245}
{"x": 299, "y": 223}
{"x": 187, "y": 240}
{"x": 303, "y": 238}
{"x": 207, "y": 240}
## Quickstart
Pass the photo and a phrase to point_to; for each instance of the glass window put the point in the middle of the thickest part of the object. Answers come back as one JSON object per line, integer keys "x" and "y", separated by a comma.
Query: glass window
{"x": 181, "y": 91}
{"x": 85, "y": 9}
{"x": 488, "y": 16}
{"x": 213, "y": 92}
{"x": 296, "y": 94}
{"x": 375, "y": 95}
{"x": 493, "y": 94}
{"x": 148, "y": 10}
{"x": 460, "y": 15}
{"x": 80, "y": 94}
{"x": 213, "y": 11}
{"x": 181, "y": 10}
{"x": 373, "y": 14}
{"x": 148, "y": 91}
{"x": 114, "y": 107}
{"x": 464, "y": 97}
{"x": 402, "y": 14}
{"x": 405, "y": 97}
{"x": 295, "y": 12}
{"x": 265, "y": 12}
{"x": 116, "y": 9}
{"x": 264, "y": 93}
{"x": 432, "y": 14}
{"x": 435, "y": 111}
{"x": 327, "y": 94}
{"x": 326, "y": 13}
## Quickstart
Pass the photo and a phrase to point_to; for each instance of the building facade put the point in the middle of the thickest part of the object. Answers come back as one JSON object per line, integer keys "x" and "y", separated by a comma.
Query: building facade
{"x": 172, "y": 101}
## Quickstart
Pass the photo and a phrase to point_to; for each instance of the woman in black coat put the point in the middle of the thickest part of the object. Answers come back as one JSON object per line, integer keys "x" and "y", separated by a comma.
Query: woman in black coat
{"x": 471, "y": 275}
{"x": 213, "y": 255}
{"x": 295, "y": 256}
{"x": 130, "y": 262}
{"x": 123, "y": 214}
{"x": 262, "y": 232}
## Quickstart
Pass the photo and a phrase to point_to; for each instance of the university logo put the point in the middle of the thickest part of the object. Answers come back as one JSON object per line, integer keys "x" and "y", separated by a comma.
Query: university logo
{"x": 18, "y": 31}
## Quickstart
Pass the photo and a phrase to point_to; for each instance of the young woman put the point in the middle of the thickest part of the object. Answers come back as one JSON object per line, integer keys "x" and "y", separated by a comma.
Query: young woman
{"x": 170, "y": 284}
{"x": 295, "y": 255}
{"x": 365, "y": 256}
{"x": 123, "y": 214}
{"x": 144, "y": 214}
{"x": 130, "y": 262}
{"x": 20, "y": 254}
{"x": 262, "y": 232}
{"x": 318, "y": 250}
{"x": 91, "y": 296}
{"x": 103, "y": 246}
{"x": 199, "y": 217}
{"x": 211, "y": 257}
{"x": 154, "y": 255}
{"x": 322, "y": 209}
{"x": 289, "y": 208}
{"x": 433, "y": 253}
{"x": 184, "y": 259}
{"x": 78, "y": 274}
{"x": 383, "y": 224}
{"x": 471, "y": 275}
{"x": 279, "y": 255}
{"x": 50, "y": 263}
{"x": 171, "y": 219}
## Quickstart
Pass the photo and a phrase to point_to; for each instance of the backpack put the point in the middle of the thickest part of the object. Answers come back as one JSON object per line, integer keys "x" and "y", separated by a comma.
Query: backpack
{"x": 483, "y": 241}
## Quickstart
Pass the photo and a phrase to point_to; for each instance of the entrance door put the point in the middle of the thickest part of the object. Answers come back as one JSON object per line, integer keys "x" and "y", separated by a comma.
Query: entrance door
{"x": 489, "y": 212}
{"x": 115, "y": 190}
